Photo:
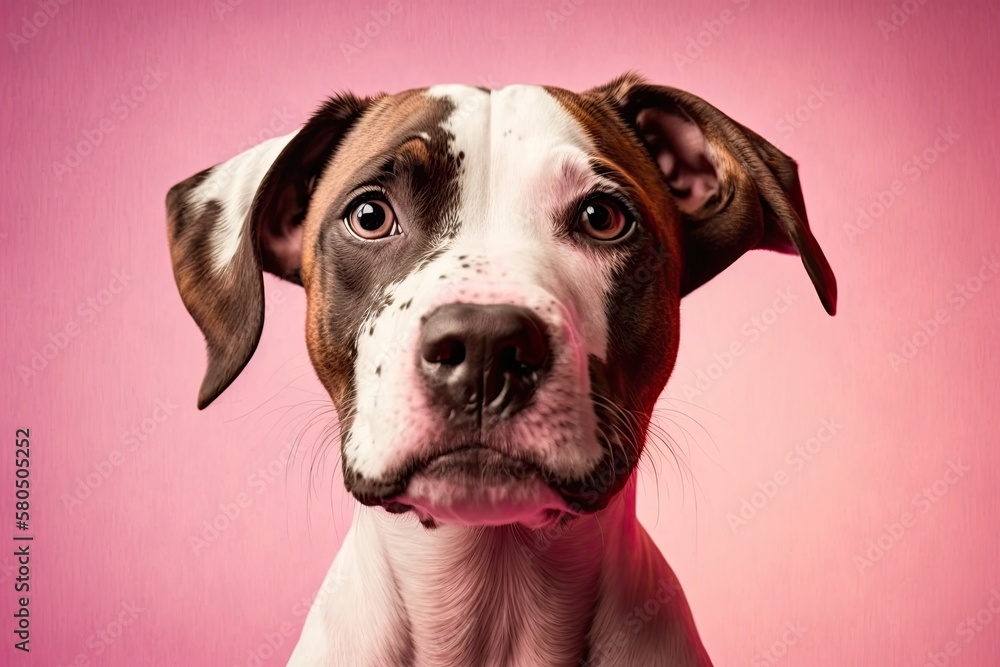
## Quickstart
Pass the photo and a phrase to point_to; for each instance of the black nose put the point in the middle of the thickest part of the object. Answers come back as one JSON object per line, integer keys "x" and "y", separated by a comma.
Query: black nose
{"x": 483, "y": 361}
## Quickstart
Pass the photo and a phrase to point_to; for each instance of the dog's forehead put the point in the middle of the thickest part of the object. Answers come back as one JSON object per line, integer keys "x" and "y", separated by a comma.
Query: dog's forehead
{"x": 520, "y": 146}
{"x": 510, "y": 116}
{"x": 508, "y": 133}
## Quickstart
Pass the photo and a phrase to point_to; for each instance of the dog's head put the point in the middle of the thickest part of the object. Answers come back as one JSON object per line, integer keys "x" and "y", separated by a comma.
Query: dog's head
{"x": 493, "y": 278}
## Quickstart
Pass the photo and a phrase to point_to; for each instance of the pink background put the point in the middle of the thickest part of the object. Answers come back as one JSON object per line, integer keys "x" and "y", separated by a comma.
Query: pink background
{"x": 233, "y": 73}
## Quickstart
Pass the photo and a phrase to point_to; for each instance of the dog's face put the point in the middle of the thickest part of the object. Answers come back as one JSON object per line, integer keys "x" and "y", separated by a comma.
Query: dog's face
{"x": 493, "y": 278}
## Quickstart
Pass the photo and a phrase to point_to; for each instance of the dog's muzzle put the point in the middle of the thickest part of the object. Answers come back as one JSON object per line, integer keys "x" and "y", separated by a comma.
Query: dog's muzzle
{"x": 482, "y": 363}
{"x": 480, "y": 366}
{"x": 485, "y": 445}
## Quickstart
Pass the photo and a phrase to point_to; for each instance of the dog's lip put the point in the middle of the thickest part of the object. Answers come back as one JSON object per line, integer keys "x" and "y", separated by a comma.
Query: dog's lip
{"x": 479, "y": 461}
{"x": 477, "y": 485}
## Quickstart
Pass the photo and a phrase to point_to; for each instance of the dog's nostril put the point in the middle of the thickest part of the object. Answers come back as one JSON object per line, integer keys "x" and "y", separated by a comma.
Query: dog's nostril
{"x": 527, "y": 347}
{"x": 520, "y": 358}
{"x": 508, "y": 357}
{"x": 447, "y": 351}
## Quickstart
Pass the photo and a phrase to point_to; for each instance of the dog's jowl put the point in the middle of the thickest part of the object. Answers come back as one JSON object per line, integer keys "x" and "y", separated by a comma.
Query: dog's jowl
{"x": 493, "y": 281}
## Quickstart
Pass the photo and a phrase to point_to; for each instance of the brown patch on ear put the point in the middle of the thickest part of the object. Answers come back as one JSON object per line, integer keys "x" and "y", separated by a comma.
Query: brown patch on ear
{"x": 759, "y": 202}
{"x": 227, "y": 302}
{"x": 228, "y": 306}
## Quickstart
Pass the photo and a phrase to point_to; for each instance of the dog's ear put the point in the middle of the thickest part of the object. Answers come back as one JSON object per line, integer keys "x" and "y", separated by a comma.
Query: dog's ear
{"x": 232, "y": 221}
{"x": 735, "y": 191}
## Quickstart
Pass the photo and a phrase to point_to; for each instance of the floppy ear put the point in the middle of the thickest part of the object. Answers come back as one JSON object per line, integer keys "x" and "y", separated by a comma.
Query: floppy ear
{"x": 735, "y": 191}
{"x": 232, "y": 221}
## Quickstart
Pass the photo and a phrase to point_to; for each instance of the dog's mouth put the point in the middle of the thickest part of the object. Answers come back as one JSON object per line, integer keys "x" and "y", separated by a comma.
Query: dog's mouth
{"x": 491, "y": 480}
{"x": 476, "y": 485}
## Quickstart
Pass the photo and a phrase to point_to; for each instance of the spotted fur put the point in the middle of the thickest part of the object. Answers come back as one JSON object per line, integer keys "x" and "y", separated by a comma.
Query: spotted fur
{"x": 487, "y": 188}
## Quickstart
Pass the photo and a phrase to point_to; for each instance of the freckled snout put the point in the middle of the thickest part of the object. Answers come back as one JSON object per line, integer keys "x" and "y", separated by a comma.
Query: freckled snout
{"x": 481, "y": 363}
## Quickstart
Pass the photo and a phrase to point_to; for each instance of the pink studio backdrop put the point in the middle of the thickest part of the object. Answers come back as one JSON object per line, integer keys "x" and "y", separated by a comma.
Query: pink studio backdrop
{"x": 833, "y": 500}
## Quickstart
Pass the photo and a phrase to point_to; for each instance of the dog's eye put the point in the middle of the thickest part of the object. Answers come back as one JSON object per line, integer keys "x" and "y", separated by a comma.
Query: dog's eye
{"x": 371, "y": 220}
{"x": 604, "y": 220}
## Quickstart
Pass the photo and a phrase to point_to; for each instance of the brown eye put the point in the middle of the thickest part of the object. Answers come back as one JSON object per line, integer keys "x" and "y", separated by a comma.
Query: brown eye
{"x": 371, "y": 220}
{"x": 604, "y": 220}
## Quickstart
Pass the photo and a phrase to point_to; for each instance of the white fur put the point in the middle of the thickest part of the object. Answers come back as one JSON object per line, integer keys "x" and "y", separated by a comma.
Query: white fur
{"x": 525, "y": 162}
{"x": 233, "y": 185}
{"x": 458, "y": 596}
{"x": 499, "y": 594}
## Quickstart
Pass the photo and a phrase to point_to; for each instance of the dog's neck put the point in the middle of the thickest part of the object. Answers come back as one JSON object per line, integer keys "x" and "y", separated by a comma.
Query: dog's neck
{"x": 456, "y": 595}
{"x": 504, "y": 595}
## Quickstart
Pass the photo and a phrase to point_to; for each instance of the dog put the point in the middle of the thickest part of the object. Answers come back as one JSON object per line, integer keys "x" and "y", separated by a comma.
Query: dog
{"x": 493, "y": 281}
